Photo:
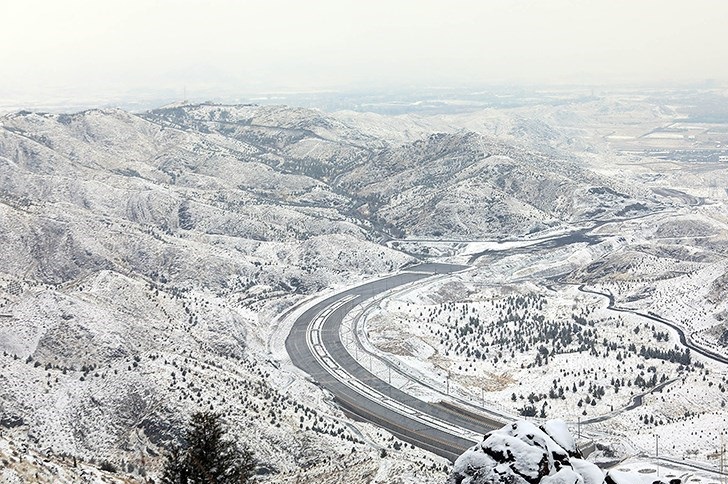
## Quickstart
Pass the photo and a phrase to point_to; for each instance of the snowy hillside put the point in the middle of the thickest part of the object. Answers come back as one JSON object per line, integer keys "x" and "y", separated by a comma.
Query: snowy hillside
{"x": 458, "y": 184}
{"x": 142, "y": 266}
{"x": 149, "y": 260}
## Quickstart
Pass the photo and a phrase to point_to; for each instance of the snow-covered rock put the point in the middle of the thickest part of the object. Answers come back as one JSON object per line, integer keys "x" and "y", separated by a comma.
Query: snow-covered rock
{"x": 522, "y": 453}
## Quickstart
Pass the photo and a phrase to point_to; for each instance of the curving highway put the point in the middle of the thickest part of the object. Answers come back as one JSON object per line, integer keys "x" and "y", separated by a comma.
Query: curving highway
{"x": 684, "y": 339}
{"x": 314, "y": 345}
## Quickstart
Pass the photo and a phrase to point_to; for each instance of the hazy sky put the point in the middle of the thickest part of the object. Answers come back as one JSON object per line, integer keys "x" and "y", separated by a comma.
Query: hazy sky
{"x": 100, "y": 48}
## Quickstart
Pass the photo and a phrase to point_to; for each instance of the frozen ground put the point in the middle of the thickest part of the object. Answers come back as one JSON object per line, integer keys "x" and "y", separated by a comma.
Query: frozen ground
{"x": 148, "y": 259}
{"x": 518, "y": 334}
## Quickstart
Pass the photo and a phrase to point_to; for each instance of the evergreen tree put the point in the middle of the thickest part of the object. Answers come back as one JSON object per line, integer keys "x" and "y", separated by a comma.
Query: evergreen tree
{"x": 184, "y": 217}
{"x": 175, "y": 470}
{"x": 207, "y": 457}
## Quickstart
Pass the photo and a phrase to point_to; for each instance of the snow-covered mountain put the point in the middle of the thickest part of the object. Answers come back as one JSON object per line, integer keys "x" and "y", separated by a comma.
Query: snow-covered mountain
{"x": 142, "y": 265}
{"x": 145, "y": 258}
{"x": 457, "y": 183}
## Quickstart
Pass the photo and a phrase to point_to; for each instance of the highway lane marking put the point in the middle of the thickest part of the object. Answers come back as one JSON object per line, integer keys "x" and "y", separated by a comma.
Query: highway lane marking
{"x": 406, "y": 431}
{"x": 471, "y": 415}
{"x": 351, "y": 382}
{"x": 315, "y": 335}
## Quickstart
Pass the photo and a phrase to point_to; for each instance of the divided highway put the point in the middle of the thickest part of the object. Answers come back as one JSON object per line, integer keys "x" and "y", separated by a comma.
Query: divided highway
{"x": 314, "y": 345}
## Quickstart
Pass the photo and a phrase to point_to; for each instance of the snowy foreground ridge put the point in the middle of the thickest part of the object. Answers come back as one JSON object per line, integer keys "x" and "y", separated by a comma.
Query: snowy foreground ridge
{"x": 521, "y": 453}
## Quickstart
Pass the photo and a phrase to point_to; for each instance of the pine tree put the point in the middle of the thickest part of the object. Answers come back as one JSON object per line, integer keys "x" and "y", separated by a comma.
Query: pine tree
{"x": 207, "y": 457}
{"x": 175, "y": 471}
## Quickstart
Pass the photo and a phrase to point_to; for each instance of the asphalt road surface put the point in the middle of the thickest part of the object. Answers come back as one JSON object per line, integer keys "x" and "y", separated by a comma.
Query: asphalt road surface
{"x": 415, "y": 421}
{"x": 684, "y": 340}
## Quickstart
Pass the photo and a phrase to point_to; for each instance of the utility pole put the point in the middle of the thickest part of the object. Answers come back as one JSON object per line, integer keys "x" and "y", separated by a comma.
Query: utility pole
{"x": 389, "y": 372}
{"x": 722, "y": 451}
{"x": 447, "y": 382}
{"x": 657, "y": 457}
{"x": 578, "y": 427}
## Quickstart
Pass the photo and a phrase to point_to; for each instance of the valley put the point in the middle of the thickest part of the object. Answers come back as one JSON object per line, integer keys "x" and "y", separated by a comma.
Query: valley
{"x": 161, "y": 262}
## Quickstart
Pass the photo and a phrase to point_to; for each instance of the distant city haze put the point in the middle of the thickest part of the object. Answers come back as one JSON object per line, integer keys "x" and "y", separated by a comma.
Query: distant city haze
{"x": 101, "y": 50}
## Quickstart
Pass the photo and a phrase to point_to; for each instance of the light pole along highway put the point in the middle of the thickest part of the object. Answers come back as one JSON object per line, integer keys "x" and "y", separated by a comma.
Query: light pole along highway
{"x": 314, "y": 345}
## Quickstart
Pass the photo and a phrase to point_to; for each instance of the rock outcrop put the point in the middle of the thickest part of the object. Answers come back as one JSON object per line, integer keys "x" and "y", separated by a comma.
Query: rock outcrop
{"x": 522, "y": 453}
